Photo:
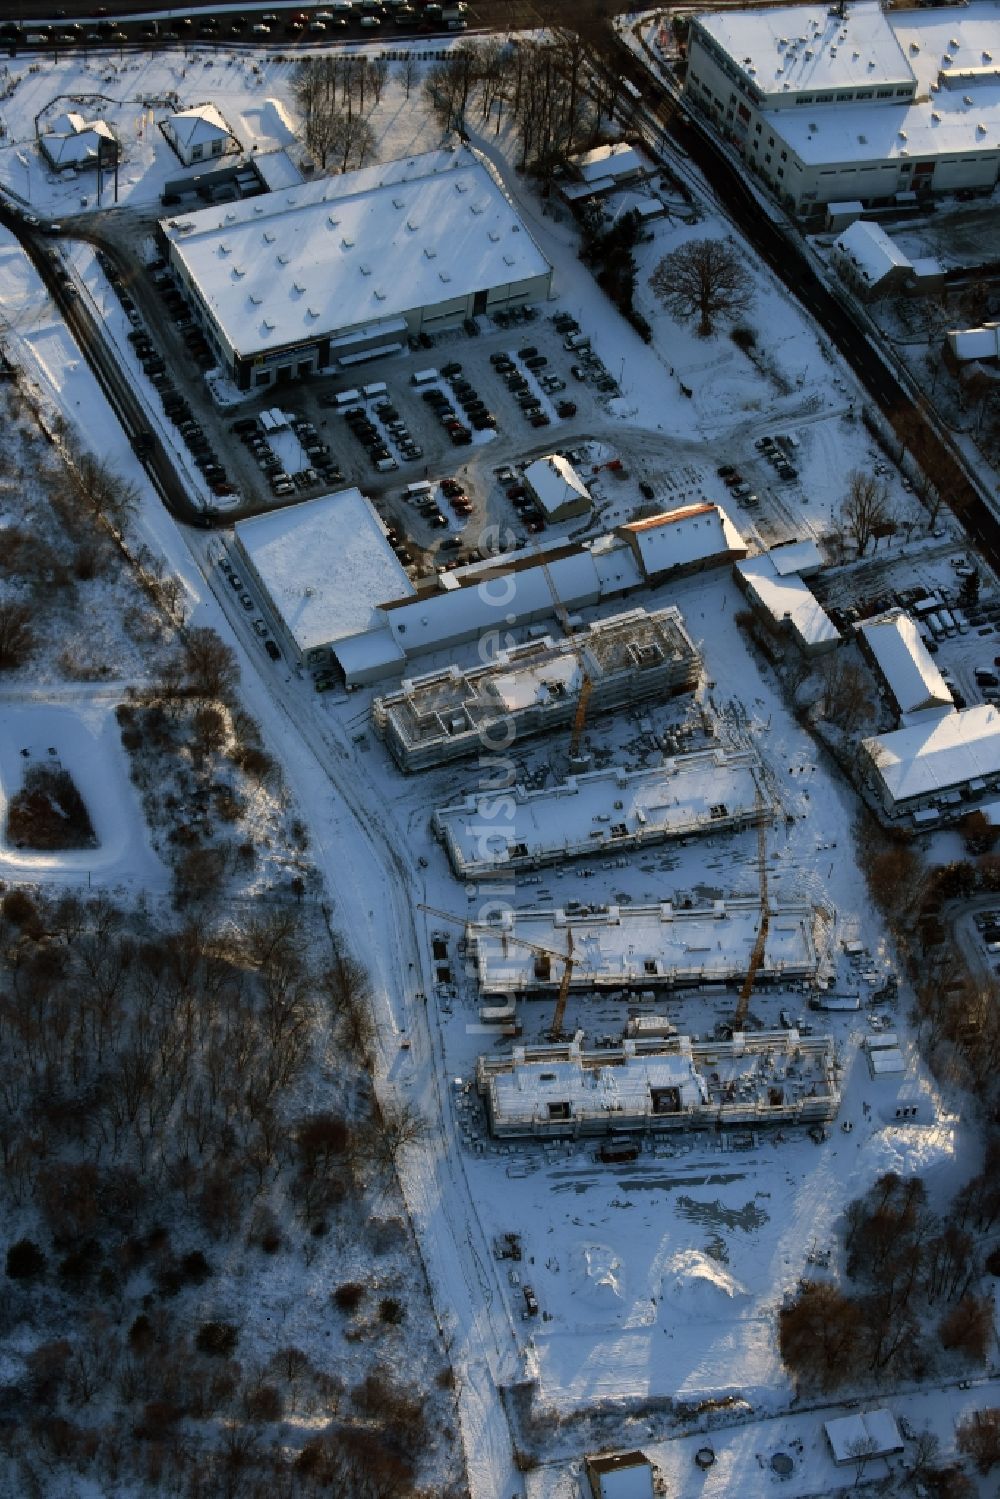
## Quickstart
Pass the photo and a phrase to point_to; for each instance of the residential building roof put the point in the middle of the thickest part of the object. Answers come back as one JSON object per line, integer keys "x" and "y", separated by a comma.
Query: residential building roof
{"x": 975, "y": 343}
{"x": 198, "y": 126}
{"x": 872, "y": 1433}
{"x": 788, "y": 599}
{"x": 870, "y": 250}
{"x": 905, "y": 663}
{"x": 70, "y": 140}
{"x": 938, "y": 754}
{"x": 555, "y": 483}
{"x": 682, "y": 537}
{"x": 617, "y": 160}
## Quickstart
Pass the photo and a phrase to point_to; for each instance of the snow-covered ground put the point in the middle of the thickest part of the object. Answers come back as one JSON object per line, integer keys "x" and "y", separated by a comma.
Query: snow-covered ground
{"x": 661, "y": 1278}
{"x": 77, "y": 727}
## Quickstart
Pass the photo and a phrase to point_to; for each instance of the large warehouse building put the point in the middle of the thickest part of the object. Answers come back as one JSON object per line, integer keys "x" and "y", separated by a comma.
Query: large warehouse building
{"x": 343, "y": 269}
{"x": 850, "y": 102}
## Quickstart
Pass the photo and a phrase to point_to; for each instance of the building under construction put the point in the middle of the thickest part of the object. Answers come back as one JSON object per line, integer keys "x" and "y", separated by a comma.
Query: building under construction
{"x": 564, "y": 1091}
{"x": 535, "y": 687}
{"x": 604, "y": 811}
{"x": 645, "y": 948}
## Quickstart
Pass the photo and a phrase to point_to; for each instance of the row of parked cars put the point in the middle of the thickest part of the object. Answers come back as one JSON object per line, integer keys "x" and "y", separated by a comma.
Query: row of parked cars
{"x": 519, "y": 386}
{"x": 468, "y": 398}
{"x": 457, "y": 430}
{"x": 175, "y": 406}
{"x": 370, "y": 437}
{"x": 260, "y": 628}
{"x": 180, "y": 313}
{"x": 397, "y": 431}
{"x": 589, "y": 366}
{"x": 322, "y": 468}
{"x": 520, "y": 497}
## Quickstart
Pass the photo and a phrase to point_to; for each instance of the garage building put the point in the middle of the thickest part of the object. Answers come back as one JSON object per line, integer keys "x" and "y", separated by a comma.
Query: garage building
{"x": 343, "y": 269}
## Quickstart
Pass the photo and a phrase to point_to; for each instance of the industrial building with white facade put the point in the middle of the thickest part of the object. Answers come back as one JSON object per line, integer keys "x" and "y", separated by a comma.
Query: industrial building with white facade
{"x": 853, "y": 103}
{"x": 343, "y": 269}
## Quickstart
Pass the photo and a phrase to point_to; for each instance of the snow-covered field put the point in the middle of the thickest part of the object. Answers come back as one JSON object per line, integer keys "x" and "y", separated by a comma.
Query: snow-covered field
{"x": 655, "y": 1280}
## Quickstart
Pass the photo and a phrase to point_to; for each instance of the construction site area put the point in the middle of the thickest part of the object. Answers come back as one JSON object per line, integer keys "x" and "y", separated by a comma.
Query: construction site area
{"x": 448, "y": 714}
{"x": 601, "y": 811}
{"x": 646, "y": 948}
{"x": 565, "y": 1091}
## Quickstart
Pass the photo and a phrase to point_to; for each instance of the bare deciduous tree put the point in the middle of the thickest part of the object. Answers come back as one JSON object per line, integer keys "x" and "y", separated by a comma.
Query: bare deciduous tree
{"x": 866, "y": 507}
{"x": 706, "y": 279}
{"x": 16, "y": 637}
{"x": 210, "y": 665}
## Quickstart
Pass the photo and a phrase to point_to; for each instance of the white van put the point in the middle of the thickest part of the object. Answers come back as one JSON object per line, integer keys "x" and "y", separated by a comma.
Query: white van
{"x": 421, "y": 490}
{"x": 347, "y": 398}
{"x": 947, "y": 621}
{"x": 378, "y": 389}
{"x": 423, "y": 377}
{"x": 934, "y": 624}
{"x": 386, "y": 466}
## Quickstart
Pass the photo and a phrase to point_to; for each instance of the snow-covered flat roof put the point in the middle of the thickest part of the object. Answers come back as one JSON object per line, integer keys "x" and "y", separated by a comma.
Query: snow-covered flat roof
{"x": 326, "y": 565}
{"x": 338, "y": 252}
{"x": 277, "y": 169}
{"x": 682, "y": 537}
{"x": 632, "y": 1482}
{"x": 605, "y": 809}
{"x": 871, "y": 1432}
{"x": 483, "y": 596}
{"x": 555, "y": 483}
{"x": 788, "y": 599}
{"x": 643, "y": 946}
{"x": 948, "y": 39}
{"x": 941, "y": 126}
{"x": 905, "y": 663}
{"x": 870, "y": 250}
{"x": 975, "y": 343}
{"x": 937, "y": 755}
{"x": 617, "y": 160}
{"x": 802, "y": 557}
{"x": 793, "y": 48}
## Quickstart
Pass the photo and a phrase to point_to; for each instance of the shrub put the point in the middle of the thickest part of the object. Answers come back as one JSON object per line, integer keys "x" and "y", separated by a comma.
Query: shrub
{"x": 217, "y": 1339}
{"x": 744, "y": 337}
{"x": 349, "y": 1296}
{"x": 20, "y": 909}
{"x": 24, "y": 1260}
{"x": 391, "y": 1310}
{"x": 195, "y": 1269}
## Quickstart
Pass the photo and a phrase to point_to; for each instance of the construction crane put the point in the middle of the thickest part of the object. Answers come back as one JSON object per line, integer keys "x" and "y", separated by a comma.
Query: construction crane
{"x": 547, "y": 953}
{"x": 757, "y": 956}
{"x": 580, "y": 717}
{"x": 586, "y": 684}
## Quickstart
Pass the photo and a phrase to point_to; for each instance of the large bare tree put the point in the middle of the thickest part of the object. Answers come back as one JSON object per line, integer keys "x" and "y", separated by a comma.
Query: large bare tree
{"x": 705, "y": 279}
{"x": 866, "y": 511}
